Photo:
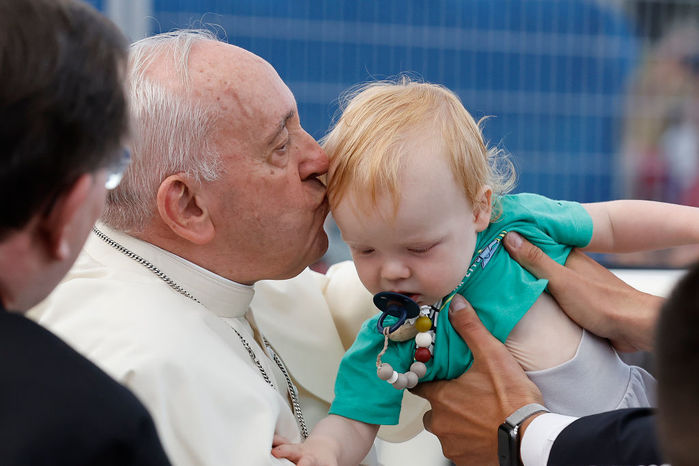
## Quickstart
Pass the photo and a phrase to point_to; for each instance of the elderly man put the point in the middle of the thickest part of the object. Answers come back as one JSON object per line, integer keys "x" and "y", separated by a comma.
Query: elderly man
{"x": 223, "y": 192}
{"x": 62, "y": 120}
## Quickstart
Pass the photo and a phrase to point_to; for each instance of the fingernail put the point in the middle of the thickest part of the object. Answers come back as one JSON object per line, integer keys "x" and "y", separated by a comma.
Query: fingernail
{"x": 513, "y": 239}
{"x": 456, "y": 306}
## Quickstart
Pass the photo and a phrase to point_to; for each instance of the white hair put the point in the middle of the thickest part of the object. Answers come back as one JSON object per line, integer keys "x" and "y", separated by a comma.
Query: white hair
{"x": 170, "y": 130}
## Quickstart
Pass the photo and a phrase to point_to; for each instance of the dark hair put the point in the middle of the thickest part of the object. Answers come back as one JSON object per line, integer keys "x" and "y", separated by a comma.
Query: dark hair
{"x": 62, "y": 102}
{"x": 677, "y": 352}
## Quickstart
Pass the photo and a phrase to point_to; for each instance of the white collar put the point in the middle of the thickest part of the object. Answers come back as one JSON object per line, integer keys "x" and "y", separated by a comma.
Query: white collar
{"x": 219, "y": 295}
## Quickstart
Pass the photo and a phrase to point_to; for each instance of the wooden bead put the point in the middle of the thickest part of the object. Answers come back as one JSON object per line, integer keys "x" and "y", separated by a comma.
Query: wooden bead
{"x": 412, "y": 379}
{"x": 423, "y": 340}
{"x": 404, "y": 333}
{"x": 418, "y": 369}
{"x": 423, "y": 354}
{"x": 401, "y": 382}
{"x": 384, "y": 371}
{"x": 423, "y": 324}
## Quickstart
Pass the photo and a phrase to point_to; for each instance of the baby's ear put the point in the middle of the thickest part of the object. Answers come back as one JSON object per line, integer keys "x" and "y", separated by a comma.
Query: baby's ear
{"x": 482, "y": 208}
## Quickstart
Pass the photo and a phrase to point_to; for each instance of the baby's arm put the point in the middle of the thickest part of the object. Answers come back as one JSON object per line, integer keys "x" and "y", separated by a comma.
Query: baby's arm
{"x": 632, "y": 225}
{"x": 335, "y": 440}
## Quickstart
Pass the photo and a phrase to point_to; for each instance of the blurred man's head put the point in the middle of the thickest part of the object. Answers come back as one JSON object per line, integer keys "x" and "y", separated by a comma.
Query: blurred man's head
{"x": 677, "y": 351}
{"x": 223, "y": 174}
{"x": 63, "y": 117}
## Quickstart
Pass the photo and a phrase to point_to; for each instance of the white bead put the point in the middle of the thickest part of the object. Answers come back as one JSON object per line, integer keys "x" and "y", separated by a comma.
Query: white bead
{"x": 401, "y": 382}
{"x": 412, "y": 379}
{"x": 425, "y": 311}
{"x": 393, "y": 378}
{"x": 423, "y": 339}
{"x": 419, "y": 369}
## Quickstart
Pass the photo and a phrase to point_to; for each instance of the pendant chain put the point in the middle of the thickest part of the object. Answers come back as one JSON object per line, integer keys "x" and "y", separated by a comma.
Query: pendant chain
{"x": 293, "y": 392}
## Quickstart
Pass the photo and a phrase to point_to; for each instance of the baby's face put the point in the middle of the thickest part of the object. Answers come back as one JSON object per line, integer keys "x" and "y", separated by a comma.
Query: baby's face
{"x": 425, "y": 250}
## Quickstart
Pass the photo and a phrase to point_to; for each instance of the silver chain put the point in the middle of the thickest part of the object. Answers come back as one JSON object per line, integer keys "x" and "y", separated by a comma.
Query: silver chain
{"x": 293, "y": 393}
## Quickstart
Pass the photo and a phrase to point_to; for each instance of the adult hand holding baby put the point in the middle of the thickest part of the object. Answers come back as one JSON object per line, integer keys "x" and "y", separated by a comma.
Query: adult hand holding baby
{"x": 495, "y": 380}
{"x": 593, "y": 296}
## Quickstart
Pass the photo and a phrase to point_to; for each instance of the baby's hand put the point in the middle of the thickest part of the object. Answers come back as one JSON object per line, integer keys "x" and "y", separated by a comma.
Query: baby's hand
{"x": 315, "y": 451}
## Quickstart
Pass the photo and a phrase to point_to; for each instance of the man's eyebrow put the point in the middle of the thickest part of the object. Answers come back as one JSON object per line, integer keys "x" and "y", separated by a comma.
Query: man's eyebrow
{"x": 282, "y": 124}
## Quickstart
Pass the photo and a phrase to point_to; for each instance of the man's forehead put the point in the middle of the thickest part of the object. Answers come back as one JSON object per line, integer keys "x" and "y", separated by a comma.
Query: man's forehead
{"x": 214, "y": 65}
{"x": 247, "y": 90}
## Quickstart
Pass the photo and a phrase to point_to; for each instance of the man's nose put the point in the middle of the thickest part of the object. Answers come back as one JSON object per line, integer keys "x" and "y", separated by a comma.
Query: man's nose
{"x": 314, "y": 161}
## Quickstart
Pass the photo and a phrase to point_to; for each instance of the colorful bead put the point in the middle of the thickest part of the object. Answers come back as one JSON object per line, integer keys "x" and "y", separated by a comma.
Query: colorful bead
{"x": 423, "y": 354}
{"x": 423, "y": 340}
{"x": 418, "y": 369}
{"x": 423, "y": 328}
{"x": 423, "y": 324}
{"x": 412, "y": 379}
{"x": 384, "y": 371}
{"x": 401, "y": 382}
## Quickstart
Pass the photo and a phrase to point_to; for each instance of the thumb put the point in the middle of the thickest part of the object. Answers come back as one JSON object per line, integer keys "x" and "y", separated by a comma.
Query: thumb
{"x": 469, "y": 326}
{"x": 530, "y": 257}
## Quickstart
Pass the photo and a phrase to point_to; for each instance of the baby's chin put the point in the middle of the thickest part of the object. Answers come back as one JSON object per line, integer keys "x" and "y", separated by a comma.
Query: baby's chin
{"x": 428, "y": 301}
{"x": 434, "y": 300}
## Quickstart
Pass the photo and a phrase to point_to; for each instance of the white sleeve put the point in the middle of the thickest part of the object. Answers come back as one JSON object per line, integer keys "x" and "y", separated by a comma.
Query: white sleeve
{"x": 539, "y": 437}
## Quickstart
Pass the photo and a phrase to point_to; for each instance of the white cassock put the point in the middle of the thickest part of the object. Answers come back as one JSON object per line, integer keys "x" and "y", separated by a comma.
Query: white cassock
{"x": 209, "y": 401}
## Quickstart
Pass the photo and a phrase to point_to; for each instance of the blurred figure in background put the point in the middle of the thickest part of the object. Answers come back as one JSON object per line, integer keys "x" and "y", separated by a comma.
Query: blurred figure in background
{"x": 660, "y": 156}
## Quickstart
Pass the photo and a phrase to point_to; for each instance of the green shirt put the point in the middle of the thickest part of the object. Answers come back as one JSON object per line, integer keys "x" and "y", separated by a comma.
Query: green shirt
{"x": 499, "y": 289}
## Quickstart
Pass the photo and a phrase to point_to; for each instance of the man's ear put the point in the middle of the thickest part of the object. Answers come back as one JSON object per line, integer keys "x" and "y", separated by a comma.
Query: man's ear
{"x": 183, "y": 210}
{"x": 482, "y": 208}
{"x": 55, "y": 226}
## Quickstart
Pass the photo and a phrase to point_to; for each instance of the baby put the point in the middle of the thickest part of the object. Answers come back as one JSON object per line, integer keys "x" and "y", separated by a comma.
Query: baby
{"x": 421, "y": 202}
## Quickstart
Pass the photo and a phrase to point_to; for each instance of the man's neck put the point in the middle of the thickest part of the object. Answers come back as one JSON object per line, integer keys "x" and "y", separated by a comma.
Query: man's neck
{"x": 206, "y": 256}
{"x": 18, "y": 266}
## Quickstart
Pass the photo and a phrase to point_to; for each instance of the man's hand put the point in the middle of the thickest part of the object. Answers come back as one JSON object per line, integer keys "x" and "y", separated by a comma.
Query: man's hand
{"x": 467, "y": 411}
{"x": 592, "y": 296}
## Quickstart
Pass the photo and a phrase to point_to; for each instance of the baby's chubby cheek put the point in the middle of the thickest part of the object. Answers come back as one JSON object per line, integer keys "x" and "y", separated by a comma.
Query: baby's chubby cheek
{"x": 368, "y": 276}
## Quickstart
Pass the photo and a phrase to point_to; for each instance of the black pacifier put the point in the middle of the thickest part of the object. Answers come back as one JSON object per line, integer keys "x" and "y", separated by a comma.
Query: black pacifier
{"x": 396, "y": 305}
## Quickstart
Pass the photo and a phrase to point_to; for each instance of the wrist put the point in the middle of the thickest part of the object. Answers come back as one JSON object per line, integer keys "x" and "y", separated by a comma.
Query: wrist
{"x": 636, "y": 329}
{"x": 512, "y": 430}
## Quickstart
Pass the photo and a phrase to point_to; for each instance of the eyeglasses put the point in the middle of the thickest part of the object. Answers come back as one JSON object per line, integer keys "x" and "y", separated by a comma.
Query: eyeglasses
{"x": 115, "y": 171}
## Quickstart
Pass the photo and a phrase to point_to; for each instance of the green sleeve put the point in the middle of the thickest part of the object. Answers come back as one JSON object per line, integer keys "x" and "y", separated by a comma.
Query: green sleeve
{"x": 565, "y": 222}
{"x": 359, "y": 393}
